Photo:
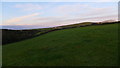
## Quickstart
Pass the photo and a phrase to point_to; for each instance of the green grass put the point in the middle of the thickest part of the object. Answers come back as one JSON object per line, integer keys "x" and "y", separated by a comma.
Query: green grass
{"x": 86, "y": 46}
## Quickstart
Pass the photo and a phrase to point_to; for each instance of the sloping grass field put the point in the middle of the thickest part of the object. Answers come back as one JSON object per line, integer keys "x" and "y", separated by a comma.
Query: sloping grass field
{"x": 83, "y": 46}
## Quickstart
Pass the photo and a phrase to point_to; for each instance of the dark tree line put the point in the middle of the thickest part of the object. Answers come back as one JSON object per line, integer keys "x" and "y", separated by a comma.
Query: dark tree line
{"x": 9, "y": 36}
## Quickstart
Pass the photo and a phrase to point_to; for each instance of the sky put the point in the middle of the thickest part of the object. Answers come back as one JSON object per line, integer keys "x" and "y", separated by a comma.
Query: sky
{"x": 49, "y": 14}
{"x": 60, "y": 0}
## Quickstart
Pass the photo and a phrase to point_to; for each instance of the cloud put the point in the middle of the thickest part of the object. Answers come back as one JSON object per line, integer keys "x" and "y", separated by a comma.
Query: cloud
{"x": 70, "y": 9}
{"x": 28, "y": 7}
{"x": 83, "y": 10}
{"x": 102, "y": 11}
{"x": 63, "y": 21}
{"x": 63, "y": 14}
{"x": 18, "y": 19}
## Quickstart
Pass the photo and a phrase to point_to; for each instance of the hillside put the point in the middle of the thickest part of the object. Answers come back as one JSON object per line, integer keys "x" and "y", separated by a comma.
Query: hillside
{"x": 11, "y": 36}
{"x": 88, "y": 46}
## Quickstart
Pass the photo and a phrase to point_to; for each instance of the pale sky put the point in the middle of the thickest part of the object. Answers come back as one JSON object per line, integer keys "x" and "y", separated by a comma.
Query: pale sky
{"x": 48, "y": 14}
{"x": 59, "y": 0}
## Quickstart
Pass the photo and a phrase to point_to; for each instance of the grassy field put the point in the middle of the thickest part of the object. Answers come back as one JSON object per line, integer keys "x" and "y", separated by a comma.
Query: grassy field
{"x": 86, "y": 46}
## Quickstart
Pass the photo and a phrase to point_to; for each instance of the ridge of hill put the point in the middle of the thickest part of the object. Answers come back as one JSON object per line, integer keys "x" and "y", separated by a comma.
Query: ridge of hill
{"x": 11, "y": 36}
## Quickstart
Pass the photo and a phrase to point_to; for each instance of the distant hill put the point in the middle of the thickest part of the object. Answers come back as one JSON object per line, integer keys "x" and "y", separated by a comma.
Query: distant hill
{"x": 20, "y": 27}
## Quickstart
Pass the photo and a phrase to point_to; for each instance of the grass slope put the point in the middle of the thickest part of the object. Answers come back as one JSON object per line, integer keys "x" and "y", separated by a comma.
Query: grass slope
{"x": 87, "y": 46}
